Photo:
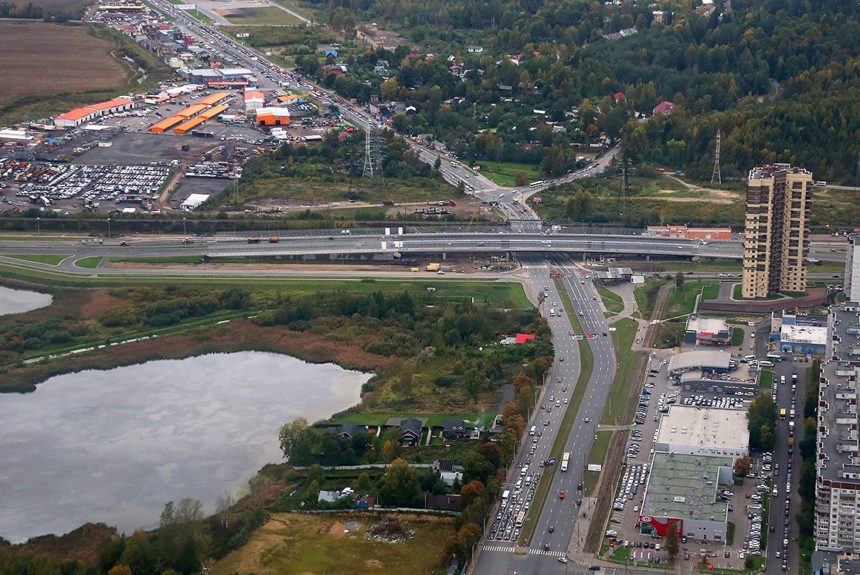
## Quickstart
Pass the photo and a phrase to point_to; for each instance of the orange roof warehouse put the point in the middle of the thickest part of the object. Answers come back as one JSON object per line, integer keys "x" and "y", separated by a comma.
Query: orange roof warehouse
{"x": 273, "y": 117}
{"x": 78, "y": 116}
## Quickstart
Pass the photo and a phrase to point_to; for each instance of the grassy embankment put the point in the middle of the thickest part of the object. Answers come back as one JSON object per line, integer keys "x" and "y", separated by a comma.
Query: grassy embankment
{"x": 294, "y": 543}
{"x": 586, "y": 366}
{"x": 611, "y": 301}
{"x": 504, "y": 173}
{"x": 91, "y": 262}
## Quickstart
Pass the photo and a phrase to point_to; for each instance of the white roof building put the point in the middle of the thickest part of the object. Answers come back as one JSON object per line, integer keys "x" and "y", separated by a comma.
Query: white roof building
{"x": 193, "y": 202}
{"x": 704, "y": 431}
{"x": 717, "y": 360}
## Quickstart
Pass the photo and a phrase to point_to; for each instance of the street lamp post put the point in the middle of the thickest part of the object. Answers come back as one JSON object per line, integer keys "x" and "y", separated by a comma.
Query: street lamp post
{"x": 184, "y": 233}
{"x": 108, "y": 222}
{"x": 38, "y": 226}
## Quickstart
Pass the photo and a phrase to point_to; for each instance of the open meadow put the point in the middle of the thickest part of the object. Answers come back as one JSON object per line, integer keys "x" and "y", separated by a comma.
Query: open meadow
{"x": 318, "y": 544}
{"x": 47, "y": 59}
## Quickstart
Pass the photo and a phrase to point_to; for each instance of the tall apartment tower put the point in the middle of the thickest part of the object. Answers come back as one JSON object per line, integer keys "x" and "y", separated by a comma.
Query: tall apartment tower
{"x": 776, "y": 237}
{"x": 852, "y": 269}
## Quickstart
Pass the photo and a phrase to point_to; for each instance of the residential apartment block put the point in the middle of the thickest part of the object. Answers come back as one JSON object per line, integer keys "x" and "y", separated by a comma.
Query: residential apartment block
{"x": 837, "y": 487}
{"x": 852, "y": 269}
{"x": 776, "y": 236}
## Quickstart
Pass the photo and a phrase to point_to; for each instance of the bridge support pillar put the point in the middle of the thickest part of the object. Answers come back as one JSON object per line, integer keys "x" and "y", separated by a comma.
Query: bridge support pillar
{"x": 444, "y": 256}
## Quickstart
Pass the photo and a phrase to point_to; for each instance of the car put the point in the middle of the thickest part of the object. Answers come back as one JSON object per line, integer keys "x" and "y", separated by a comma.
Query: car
{"x": 551, "y": 529}
{"x": 562, "y": 559}
{"x": 561, "y": 494}
{"x": 587, "y": 420}
{"x": 546, "y": 546}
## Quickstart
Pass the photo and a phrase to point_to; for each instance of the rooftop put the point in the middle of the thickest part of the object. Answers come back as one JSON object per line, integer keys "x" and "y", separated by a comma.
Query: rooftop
{"x": 803, "y": 334}
{"x": 766, "y": 172}
{"x": 837, "y": 414}
{"x": 715, "y": 359}
{"x": 707, "y": 325}
{"x": 685, "y": 487}
{"x": 704, "y": 427}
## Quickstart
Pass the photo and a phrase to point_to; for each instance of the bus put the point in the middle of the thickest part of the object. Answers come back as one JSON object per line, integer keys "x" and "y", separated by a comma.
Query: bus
{"x": 521, "y": 516}
{"x": 782, "y": 413}
{"x": 536, "y": 184}
{"x": 774, "y": 357}
{"x": 565, "y": 459}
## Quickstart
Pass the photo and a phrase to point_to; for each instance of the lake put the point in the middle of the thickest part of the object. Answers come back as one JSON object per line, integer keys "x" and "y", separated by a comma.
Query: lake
{"x": 20, "y": 301}
{"x": 116, "y": 445}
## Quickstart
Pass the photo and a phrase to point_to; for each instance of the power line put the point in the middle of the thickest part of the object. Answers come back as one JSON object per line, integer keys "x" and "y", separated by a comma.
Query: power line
{"x": 715, "y": 175}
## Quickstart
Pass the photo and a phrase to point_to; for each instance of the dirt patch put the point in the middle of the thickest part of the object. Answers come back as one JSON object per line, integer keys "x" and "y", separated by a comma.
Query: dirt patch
{"x": 337, "y": 530}
{"x": 374, "y": 563}
{"x": 710, "y": 200}
{"x": 47, "y": 59}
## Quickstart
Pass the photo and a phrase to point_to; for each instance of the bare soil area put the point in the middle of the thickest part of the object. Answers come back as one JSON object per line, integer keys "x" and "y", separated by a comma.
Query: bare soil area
{"x": 46, "y": 59}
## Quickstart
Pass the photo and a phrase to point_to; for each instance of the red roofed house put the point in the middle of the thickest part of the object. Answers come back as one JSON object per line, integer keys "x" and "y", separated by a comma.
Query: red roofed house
{"x": 619, "y": 97}
{"x": 524, "y": 337}
{"x": 665, "y": 107}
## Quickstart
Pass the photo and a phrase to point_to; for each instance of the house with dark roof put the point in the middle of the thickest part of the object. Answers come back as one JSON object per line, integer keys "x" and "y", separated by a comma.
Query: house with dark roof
{"x": 440, "y": 465}
{"x": 410, "y": 432}
{"x": 455, "y": 429}
{"x": 443, "y": 502}
{"x": 350, "y": 430}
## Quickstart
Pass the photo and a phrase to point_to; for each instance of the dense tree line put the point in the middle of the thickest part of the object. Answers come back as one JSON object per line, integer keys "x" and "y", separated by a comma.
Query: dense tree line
{"x": 761, "y": 422}
{"x": 778, "y": 78}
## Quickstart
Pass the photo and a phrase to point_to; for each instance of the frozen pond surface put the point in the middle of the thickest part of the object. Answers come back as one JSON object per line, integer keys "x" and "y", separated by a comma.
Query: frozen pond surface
{"x": 116, "y": 445}
{"x": 20, "y": 301}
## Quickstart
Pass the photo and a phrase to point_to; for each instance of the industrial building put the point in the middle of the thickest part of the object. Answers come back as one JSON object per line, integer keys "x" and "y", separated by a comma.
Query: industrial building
{"x": 837, "y": 485}
{"x": 718, "y": 361}
{"x": 776, "y": 233}
{"x": 801, "y": 334}
{"x": 852, "y": 269}
{"x": 78, "y": 116}
{"x": 707, "y": 331}
{"x": 704, "y": 431}
{"x": 186, "y": 120}
{"x": 273, "y": 116}
{"x": 254, "y": 100}
{"x": 193, "y": 202}
{"x": 683, "y": 488}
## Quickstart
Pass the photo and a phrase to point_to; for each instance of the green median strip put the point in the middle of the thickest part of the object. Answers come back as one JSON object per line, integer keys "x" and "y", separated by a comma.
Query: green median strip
{"x": 586, "y": 366}
{"x": 91, "y": 262}
{"x": 50, "y": 259}
{"x": 622, "y": 339}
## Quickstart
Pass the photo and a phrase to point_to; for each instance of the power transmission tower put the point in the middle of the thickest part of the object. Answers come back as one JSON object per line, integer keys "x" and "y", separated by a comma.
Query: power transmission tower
{"x": 715, "y": 175}
{"x": 372, "y": 155}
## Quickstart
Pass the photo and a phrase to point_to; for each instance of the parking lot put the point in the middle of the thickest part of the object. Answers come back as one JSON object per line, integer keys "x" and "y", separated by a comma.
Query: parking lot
{"x": 746, "y": 501}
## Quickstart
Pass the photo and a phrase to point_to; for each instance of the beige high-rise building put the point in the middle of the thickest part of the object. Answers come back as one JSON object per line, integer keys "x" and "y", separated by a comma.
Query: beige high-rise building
{"x": 776, "y": 236}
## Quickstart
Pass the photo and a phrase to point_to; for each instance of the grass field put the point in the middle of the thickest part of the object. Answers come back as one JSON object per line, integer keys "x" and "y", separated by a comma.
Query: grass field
{"x": 297, "y": 543}
{"x": 611, "y": 300}
{"x": 158, "y": 260}
{"x": 73, "y": 9}
{"x": 646, "y": 296}
{"x": 266, "y": 16}
{"x": 737, "y": 336}
{"x": 765, "y": 379}
{"x": 595, "y": 456}
{"x": 91, "y": 262}
{"x": 496, "y": 294}
{"x": 78, "y": 62}
{"x": 681, "y": 301}
{"x": 503, "y": 173}
{"x": 50, "y": 259}
{"x": 622, "y": 339}
{"x": 59, "y": 67}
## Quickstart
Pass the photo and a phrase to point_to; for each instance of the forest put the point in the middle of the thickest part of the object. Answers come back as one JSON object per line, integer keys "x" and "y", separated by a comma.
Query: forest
{"x": 779, "y": 80}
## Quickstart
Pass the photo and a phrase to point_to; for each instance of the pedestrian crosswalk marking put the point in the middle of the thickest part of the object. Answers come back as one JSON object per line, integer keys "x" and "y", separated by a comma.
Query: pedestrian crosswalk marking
{"x": 547, "y": 553}
{"x": 502, "y": 548}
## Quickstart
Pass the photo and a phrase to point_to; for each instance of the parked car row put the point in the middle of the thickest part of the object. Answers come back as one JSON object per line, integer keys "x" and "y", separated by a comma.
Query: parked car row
{"x": 633, "y": 477}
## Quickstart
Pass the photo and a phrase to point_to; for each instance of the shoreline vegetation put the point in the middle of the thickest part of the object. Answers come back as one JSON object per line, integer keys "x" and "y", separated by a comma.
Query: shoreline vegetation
{"x": 431, "y": 345}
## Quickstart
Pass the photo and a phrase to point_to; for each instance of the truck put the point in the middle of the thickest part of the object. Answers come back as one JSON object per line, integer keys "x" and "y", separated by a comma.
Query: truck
{"x": 433, "y": 267}
{"x": 253, "y": 240}
{"x": 790, "y": 441}
{"x": 505, "y": 494}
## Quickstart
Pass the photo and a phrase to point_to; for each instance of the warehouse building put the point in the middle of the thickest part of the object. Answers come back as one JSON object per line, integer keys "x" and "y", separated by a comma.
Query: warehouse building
{"x": 704, "y": 431}
{"x": 707, "y": 331}
{"x": 193, "y": 202}
{"x": 78, "y": 116}
{"x": 273, "y": 116}
{"x": 254, "y": 100}
{"x": 805, "y": 339}
{"x": 718, "y": 361}
{"x": 683, "y": 489}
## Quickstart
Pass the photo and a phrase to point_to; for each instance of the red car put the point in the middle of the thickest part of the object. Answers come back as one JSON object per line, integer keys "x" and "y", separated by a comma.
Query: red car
{"x": 561, "y": 494}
